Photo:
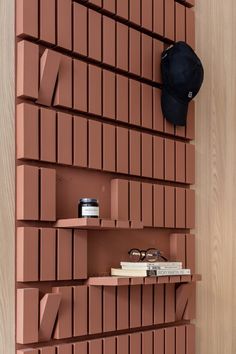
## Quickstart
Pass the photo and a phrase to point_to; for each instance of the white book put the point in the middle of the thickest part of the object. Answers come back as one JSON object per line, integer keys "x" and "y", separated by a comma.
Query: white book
{"x": 118, "y": 272}
{"x": 152, "y": 266}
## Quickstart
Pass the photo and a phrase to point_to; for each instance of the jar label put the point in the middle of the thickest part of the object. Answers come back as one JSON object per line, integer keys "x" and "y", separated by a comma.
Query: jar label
{"x": 90, "y": 211}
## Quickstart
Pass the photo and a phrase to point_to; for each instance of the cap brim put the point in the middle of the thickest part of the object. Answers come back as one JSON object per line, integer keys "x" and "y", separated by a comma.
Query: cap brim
{"x": 173, "y": 110}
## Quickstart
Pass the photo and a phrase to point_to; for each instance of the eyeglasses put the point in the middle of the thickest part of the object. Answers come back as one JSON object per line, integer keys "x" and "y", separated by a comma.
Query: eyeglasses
{"x": 149, "y": 255}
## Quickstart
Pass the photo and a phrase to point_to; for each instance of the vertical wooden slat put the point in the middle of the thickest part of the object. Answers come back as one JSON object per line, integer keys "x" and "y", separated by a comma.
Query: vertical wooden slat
{"x": 80, "y": 310}
{"x": 64, "y": 254}
{"x": 109, "y": 43}
{"x": 169, "y": 160}
{"x": 27, "y": 139}
{"x": 122, "y": 8}
{"x": 80, "y": 35}
{"x": 179, "y": 162}
{"x": 159, "y": 303}
{"x": 80, "y": 137}
{"x": 64, "y": 20}
{"x": 177, "y": 248}
{"x": 158, "y": 157}
{"x": 95, "y": 309}
{"x": 147, "y": 155}
{"x": 48, "y": 21}
{"x": 146, "y": 62}
{"x": 27, "y": 254}
{"x": 47, "y": 194}
{"x": 169, "y": 19}
{"x": 147, "y": 305}
{"x": 135, "y": 200}
{"x": 190, "y": 252}
{"x": 64, "y": 138}
{"x": 158, "y": 16}
{"x": 135, "y": 346}
{"x": 134, "y": 51}
{"x": 27, "y": 315}
{"x": 158, "y": 120}
{"x": 169, "y": 303}
{"x": 63, "y": 95}
{"x": 158, "y": 48}
{"x": 95, "y": 35}
{"x": 119, "y": 199}
{"x": 159, "y": 341}
{"x": 122, "y": 46}
{"x": 122, "y": 316}
{"x": 95, "y": 90}
{"x": 170, "y": 340}
{"x": 190, "y": 163}
{"x": 146, "y": 96}
{"x": 179, "y": 22}
{"x": 134, "y": 152}
{"x": 180, "y": 340}
{"x": 146, "y": 14}
{"x": 122, "y": 95}
{"x": 80, "y": 254}
{"x": 122, "y": 157}
{"x": 190, "y": 27}
{"x": 158, "y": 205}
{"x": 27, "y": 18}
{"x": 64, "y": 349}
{"x": 109, "y": 94}
{"x": 49, "y": 306}
{"x": 147, "y": 342}
{"x": 47, "y": 135}
{"x": 135, "y": 306}
{"x": 134, "y": 102}
{"x": 109, "y": 345}
{"x": 80, "y": 348}
{"x": 27, "y": 207}
{"x": 63, "y": 328}
{"x": 190, "y": 339}
{"x": 190, "y": 125}
{"x": 135, "y": 11}
{"x": 109, "y": 149}
{"x": 27, "y": 79}
{"x": 95, "y": 144}
{"x": 190, "y": 209}
{"x": 147, "y": 207}
{"x": 47, "y": 254}
{"x": 180, "y": 208}
{"x": 80, "y": 85}
{"x": 169, "y": 206}
{"x": 123, "y": 344}
{"x": 109, "y": 309}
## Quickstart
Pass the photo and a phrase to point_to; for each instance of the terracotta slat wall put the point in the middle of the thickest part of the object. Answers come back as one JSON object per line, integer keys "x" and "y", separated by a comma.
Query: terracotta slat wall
{"x": 88, "y": 87}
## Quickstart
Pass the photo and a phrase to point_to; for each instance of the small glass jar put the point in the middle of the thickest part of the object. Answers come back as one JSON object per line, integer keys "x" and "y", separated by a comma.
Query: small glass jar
{"x": 88, "y": 208}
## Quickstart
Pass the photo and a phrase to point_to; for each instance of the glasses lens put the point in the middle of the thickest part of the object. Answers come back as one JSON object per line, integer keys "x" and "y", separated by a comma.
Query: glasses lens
{"x": 135, "y": 255}
{"x": 152, "y": 255}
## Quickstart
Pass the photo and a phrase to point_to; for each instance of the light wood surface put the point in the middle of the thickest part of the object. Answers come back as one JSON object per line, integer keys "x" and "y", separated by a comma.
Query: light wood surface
{"x": 216, "y": 177}
{"x": 7, "y": 179}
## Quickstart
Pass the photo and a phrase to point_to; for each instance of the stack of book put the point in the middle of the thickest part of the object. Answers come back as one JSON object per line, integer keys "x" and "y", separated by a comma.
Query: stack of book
{"x": 147, "y": 269}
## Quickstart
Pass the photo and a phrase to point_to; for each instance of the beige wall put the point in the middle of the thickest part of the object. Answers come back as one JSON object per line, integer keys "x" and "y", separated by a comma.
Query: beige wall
{"x": 216, "y": 177}
{"x": 7, "y": 163}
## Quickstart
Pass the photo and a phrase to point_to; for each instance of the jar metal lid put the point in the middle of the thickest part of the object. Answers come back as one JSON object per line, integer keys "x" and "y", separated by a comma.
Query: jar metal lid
{"x": 88, "y": 200}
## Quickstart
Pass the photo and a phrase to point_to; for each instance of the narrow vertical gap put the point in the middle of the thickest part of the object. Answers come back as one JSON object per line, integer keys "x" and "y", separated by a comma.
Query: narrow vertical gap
{"x": 72, "y": 29}
{"x": 102, "y": 149}
{"x": 102, "y": 307}
{"x": 88, "y": 306}
{"x": 72, "y": 311}
{"x": 88, "y": 142}
{"x": 73, "y": 255}
{"x": 39, "y": 19}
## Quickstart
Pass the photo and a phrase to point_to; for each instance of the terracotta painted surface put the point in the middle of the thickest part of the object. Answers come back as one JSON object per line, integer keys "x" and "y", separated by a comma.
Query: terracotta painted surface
{"x": 89, "y": 124}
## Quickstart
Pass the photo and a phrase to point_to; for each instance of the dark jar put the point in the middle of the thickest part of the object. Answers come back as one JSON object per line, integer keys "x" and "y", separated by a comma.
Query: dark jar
{"x": 88, "y": 208}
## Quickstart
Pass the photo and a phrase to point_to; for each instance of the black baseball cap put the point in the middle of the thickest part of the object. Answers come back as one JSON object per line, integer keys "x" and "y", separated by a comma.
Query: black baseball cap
{"x": 182, "y": 77}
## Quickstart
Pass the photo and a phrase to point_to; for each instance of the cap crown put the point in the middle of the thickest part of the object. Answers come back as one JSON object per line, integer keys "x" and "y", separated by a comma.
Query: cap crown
{"x": 182, "y": 71}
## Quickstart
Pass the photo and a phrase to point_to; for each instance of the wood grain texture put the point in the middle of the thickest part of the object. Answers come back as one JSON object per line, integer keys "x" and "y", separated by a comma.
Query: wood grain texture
{"x": 7, "y": 178}
{"x": 216, "y": 176}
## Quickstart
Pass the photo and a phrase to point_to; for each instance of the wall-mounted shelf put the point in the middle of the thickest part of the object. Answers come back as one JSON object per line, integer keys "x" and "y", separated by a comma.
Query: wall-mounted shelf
{"x": 122, "y": 281}
{"x": 98, "y": 224}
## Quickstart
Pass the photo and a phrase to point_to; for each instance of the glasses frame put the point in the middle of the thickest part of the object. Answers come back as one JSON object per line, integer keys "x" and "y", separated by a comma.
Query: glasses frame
{"x": 143, "y": 254}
